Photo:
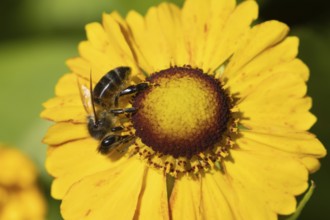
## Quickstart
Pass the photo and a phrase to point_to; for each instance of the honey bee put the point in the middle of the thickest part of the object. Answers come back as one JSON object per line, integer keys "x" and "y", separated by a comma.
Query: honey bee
{"x": 101, "y": 103}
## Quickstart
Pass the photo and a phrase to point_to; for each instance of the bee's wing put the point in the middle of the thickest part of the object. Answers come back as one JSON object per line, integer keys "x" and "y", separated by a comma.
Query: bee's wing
{"x": 85, "y": 95}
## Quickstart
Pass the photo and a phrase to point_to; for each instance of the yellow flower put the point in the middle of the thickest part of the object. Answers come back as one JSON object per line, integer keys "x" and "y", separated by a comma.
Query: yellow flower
{"x": 216, "y": 130}
{"x": 20, "y": 197}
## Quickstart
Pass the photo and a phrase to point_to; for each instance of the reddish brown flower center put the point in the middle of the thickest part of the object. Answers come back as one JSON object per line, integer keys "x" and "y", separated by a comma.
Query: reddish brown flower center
{"x": 183, "y": 113}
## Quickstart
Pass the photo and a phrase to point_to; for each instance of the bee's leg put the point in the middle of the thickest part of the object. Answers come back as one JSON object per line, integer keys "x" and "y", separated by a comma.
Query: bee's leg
{"x": 119, "y": 128}
{"x": 111, "y": 141}
{"x": 123, "y": 110}
{"x": 130, "y": 90}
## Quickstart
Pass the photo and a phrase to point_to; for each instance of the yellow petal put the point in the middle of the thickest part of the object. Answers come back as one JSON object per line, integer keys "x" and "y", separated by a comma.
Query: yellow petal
{"x": 250, "y": 204}
{"x": 214, "y": 32}
{"x": 80, "y": 67}
{"x": 245, "y": 203}
{"x": 99, "y": 62}
{"x": 275, "y": 177}
{"x": 119, "y": 50}
{"x": 185, "y": 201}
{"x": 294, "y": 67}
{"x": 278, "y": 122}
{"x": 116, "y": 31}
{"x": 202, "y": 25}
{"x": 97, "y": 36}
{"x": 290, "y": 87}
{"x": 169, "y": 20}
{"x": 194, "y": 18}
{"x": 152, "y": 203}
{"x": 136, "y": 23}
{"x": 107, "y": 47}
{"x": 159, "y": 53}
{"x": 33, "y": 203}
{"x": 225, "y": 40}
{"x": 73, "y": 114}
{"x": 152, "y": 42}
{"x": 26, "y": 204}
{"x": 299, "y": 121}
{"x": 60, "y": 133}
{"x": 68, "y": 100}
{"x": 311, "y": 163}
{"x": 302, "y": 143}
{"x": 65, "y": 108}
{"x": 214, "y": 204}
{"x": 74, "y": 160}
{"x": 271, "y": 61}
{"x": 119, "y": 19}
{"x": 65, "y": 86}
{"x": 260, "y": 96}
{"x": 16, "y": 169}
{"x": 111, "y": 194}
{"x": 259, "y": 38}
{"x": 296, "y": 183}
{"x": 298, "y": 67}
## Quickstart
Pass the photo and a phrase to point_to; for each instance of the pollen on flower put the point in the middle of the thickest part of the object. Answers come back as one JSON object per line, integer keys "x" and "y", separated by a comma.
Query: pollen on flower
{"x": 185, "y": 112}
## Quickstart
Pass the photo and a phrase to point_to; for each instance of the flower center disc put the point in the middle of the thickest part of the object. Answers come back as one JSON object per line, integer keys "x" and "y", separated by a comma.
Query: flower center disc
{"x": 182, "y": 113}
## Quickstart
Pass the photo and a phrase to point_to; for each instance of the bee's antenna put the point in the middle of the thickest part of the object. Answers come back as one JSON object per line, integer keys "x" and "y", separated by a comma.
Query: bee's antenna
{"x": 92, "y": 98}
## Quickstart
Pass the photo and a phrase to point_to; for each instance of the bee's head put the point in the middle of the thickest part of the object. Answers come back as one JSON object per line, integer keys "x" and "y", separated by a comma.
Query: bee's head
{"x": 98, "y": 128}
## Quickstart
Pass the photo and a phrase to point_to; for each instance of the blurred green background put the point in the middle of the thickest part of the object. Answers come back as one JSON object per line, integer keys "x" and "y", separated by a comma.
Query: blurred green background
{"x": 37, "y": 36}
